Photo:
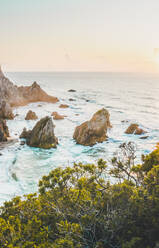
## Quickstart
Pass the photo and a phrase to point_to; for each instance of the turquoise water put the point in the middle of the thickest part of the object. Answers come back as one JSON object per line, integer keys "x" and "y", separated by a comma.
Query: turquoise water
{"x": 129, "y": 97}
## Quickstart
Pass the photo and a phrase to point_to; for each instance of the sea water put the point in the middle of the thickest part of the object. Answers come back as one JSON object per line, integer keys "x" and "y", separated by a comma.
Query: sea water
{"x": 129, "y": 98}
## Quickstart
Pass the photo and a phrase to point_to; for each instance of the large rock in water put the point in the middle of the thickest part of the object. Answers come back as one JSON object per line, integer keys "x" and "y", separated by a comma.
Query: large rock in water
{"x": 20, "y": 96}
{"x": 94, "y": 131}
{"x": 134, "y": 129}
{"x": 42, "y": 135}
{"x": 63, "y": 106}
{"x": 4, "y": 133}
{"x": 57, "y": 116}
{"x": 31, "y": 115}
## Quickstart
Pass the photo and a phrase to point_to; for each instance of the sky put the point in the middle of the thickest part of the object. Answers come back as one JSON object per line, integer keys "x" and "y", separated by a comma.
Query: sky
{"x": 79, "y": 35}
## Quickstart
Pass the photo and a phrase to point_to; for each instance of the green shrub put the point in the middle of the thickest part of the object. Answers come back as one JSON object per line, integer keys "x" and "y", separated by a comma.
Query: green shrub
{"x": 79, "y": 207}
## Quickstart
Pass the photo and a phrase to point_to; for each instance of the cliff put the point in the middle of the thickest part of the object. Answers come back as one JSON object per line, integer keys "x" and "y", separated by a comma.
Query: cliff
{"x": 20, "y": 96}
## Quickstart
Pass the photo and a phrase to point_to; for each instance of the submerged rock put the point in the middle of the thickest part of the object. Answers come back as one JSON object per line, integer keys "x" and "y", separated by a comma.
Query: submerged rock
{"x": 4, "y": 132}
{"x": 14, "y": 176}
{"x": 22, "y": 143}
{"x": 42, "y": 135}
{"x": 20, "y": 96}
{"x": 94, "y": 131}
{"x": 134, "y": 129}
{"x": 144, "y": 137}
{"x": 31, "y": 115}
{"x": 57, "y": 116}
{"x": 124, "y": 121}
{"x": 9, "y": 142}
{"x": 64, "y": 106}
{"x": 72, "y": 100}
{"x": 6, "y": 111}
{"x": 71, "y": 90}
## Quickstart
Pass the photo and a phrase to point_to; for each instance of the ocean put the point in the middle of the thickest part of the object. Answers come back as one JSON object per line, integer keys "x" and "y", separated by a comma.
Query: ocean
{"x": 129, "y": 98}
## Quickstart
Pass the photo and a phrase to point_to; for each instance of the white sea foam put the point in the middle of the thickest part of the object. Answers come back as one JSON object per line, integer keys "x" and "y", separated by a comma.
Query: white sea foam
{"x": 130, "y": 97}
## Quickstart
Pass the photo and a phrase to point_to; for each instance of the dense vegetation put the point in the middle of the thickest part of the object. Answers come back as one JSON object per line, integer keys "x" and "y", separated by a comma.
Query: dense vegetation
{"x": 79, "y": 207}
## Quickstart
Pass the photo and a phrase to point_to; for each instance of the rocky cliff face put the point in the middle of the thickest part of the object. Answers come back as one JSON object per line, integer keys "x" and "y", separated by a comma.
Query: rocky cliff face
{"x": 1, "y": 73}
{"x": 14, "y": 96}
{"x": 19, "y": 96}
{"x": 6, "y": 110}
{"x": 42, "y": 135}
{"x": 4, "y": 132}
{"x": 93, "y": 131}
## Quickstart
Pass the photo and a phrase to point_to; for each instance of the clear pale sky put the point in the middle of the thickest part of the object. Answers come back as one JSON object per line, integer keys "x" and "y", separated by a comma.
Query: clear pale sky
{"x": 79, "y": 35}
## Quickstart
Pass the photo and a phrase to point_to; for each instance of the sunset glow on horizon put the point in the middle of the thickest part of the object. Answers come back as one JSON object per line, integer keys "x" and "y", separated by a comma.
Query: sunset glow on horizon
{"x": 85, "y": 35}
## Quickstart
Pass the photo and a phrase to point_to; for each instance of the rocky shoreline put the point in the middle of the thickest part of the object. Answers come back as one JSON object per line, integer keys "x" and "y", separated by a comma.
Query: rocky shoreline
{"x": 13, "y": 96}
{"x": 88, "y": 133}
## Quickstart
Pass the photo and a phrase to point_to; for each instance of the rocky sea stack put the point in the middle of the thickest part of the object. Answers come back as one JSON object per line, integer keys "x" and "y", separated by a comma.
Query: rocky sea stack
{"x": 31, "y": 115}
{"x": 57, "y": 116}
{"x": 64, "y": 106}
{"x": 134, "y": 129}
{"x": 94, "y": 131}
{"x": 42, "y": 135}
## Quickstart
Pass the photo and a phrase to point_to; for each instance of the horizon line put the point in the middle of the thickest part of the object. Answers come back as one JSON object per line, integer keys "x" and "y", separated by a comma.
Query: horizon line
{"x": 81, "y": 71}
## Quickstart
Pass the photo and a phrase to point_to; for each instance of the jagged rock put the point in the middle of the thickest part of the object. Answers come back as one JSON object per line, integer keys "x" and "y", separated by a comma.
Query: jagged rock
{"x": 94, "y": 131}
{"x": 6, "y": 111}
{"x": 20, "y": 96}
{"x": 71, "y": 90}
{"x": 72, "y": 100}
{"x": 31, "y": 116}
{"x": 14, "y": 176}
{"x": 134, "y": 129}
{"x": 63, "y": 106}
{"x": 57, "y": 116}
{"x": 25, "y": 134}
{"x": 42, "y": 135}
{"x": 4, "y": 132}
